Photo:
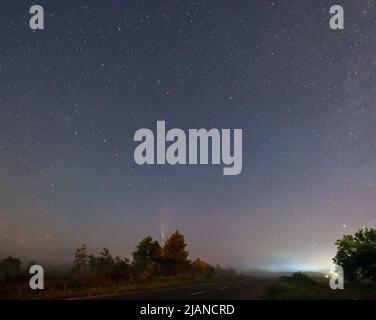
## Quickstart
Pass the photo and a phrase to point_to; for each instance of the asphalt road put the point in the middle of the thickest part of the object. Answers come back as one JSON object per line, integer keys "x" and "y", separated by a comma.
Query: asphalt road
{"x": 249, "y": 289}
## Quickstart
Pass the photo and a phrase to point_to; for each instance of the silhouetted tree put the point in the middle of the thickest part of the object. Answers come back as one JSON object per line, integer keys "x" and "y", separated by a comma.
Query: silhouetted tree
{"x": 106, "y": 267}
{"x": 122, "y": 268}
{"x": 201, "y": 269}
{"x": 357, "y": 256}
{"x": 174, "y": 254}
{"x": 146, "y": 256}
{"x": 102, "y": 264}
{"x": 81, "y": 259}
{"x": 10, "y": 266}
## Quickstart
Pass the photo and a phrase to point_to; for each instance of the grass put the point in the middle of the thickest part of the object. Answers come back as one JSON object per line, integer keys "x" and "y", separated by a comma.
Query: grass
{"x": 51, "y": 293}
{"x": 301, "y": 287}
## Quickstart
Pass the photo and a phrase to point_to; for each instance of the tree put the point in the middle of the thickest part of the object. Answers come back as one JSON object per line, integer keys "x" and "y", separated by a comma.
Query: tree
{"x": 201, "y": 269}
{"x": 175, "y": 255}
{"x": 357, "y": 256}
{"x": 81, "y": 259}
{"x": 105, "y": 259}
{"x": 106, "y": 267}
{"x": 10, "y": 265}
{"x": 147, "y": 254}
{"x": 122, "y": 268}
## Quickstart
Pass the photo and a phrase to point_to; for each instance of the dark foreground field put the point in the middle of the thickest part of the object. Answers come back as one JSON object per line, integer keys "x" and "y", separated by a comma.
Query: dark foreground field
{"x": 239, "y": 289}
{"x": 301, "y": 287}
{"x": 295, "y": 287}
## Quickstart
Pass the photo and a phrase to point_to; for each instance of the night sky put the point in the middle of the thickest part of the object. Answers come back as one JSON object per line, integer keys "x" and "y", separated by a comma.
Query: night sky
{"x": 73, "y": 95}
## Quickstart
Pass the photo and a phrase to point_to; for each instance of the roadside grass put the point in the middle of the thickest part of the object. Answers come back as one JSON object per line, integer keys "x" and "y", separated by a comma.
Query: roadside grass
{"x": 52, "y": 293}
{"x": 301, "y": 287}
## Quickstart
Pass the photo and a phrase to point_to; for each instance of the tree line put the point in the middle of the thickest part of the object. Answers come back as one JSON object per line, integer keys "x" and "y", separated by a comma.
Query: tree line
{"x": 355, "y": 253}
{"x": 150, "y": 259}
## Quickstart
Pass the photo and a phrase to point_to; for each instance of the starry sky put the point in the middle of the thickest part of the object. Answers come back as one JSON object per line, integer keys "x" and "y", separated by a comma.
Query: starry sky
{"x": 73, "y": 95}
